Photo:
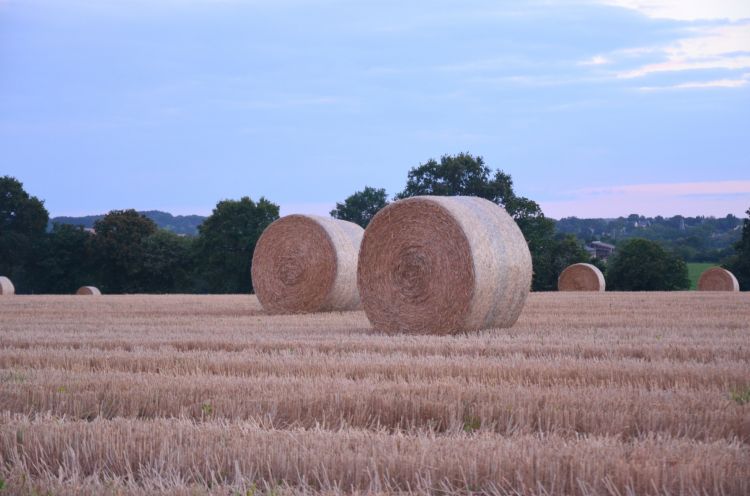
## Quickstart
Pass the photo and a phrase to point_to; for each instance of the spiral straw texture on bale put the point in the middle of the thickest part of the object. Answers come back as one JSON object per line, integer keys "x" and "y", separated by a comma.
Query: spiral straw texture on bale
{"x": 581, "y": 277}
{"x": 88, "y": 291}
{"x": 442, "y": 265}
{"x": 6, "y": 287}
{"x": 718, "y": 279}
{"x": 307, "y": 263}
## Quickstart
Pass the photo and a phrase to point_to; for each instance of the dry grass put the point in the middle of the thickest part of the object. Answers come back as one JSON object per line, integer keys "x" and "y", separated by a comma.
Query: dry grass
{"x": 613, "y": 393}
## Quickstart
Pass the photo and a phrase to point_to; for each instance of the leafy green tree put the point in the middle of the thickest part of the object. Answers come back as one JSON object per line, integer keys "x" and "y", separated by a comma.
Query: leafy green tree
{"x": 642, "y": 265}
{"x": 64, "y": 261}
{"x": 167, "y": 263}
{"x": 466, "y": 175}
{"x": 224, "y": 248}
{"x": 739, "y": 263}
{"x": 119, "y": 249}
{"x": 23, "y": 222}
{"x": 361, "y": 206}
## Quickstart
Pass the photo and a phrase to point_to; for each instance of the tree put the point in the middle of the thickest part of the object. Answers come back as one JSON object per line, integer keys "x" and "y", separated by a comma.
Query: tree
{"x": 466, "y": 175}
{"x": 739, "y": 263}
{"x": 118, "y": 248}
{"x": 226, "y": 242}
{"x": 361, "y": 206}
{"x": 642, "y": 265}
{"x": 23, "y": 222}
{"x": 167, "y": 263}
{"x": 64, "y": 261}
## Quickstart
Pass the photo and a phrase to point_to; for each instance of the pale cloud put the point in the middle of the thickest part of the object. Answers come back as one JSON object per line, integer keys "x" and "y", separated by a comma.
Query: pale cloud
{"x": 596, "y": 60}
{"x": 676, "y": 189}
{"x": 717, "y": 83}
{"x": 724, "y": 47}
{"x": 687, "y": 10}
{"x": 716, "y": 198}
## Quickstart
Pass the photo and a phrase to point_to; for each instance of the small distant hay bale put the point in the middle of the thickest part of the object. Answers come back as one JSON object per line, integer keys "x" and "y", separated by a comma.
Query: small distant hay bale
{"x": 443, "y": 265}
{"x": 307, "y": 263}
{"x": 6, "y": 287}
{"x": 581, "y": 277}
{"x": 718, "y": 279}
{"x": 88, "y": 291}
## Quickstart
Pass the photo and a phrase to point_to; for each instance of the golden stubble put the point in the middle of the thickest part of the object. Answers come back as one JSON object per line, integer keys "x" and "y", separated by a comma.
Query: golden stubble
{"x": 589, "y": 393}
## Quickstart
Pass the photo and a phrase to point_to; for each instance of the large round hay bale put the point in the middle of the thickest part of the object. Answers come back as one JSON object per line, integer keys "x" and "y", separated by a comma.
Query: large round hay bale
{"x": 88, "y": 291}
{"x": 441, "y": 265}
{"x": 581, "y": 277}
{"x": 307, "y": 263}
{"x": 6, "y": 287}
{"x": 718, "y": 279}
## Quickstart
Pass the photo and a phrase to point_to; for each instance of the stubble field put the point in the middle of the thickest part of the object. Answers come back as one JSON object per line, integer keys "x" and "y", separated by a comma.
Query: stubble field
{"x": 613, "y": 393}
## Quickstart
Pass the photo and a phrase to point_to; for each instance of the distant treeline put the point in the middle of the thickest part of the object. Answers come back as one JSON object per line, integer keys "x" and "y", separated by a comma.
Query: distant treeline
{"x": 178, "y": 224}
{"x": 695, "y": 239}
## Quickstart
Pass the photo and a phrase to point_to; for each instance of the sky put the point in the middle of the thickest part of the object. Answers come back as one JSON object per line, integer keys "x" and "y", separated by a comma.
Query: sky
{"x": 595, "y": 108}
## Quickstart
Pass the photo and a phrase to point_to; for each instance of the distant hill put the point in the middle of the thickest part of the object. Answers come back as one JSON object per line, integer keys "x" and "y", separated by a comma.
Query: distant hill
{"x": 178, "y": 224}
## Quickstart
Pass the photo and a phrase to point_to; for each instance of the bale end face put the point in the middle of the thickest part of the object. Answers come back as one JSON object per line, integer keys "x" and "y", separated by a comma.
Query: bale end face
{"x": 581, "y": 277}
{"x": 88, "y": 291}
{"x": 718, "y": 279}
{"x": 442, "y": 265}
{"x": 6, "y": 287}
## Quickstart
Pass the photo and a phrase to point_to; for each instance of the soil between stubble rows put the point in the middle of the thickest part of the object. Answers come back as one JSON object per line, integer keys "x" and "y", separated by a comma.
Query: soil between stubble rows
{"x": 586, "y": 394}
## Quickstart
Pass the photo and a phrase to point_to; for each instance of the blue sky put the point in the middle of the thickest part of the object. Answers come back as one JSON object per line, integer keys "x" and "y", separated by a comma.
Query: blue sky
{"x": 595, "y": 108}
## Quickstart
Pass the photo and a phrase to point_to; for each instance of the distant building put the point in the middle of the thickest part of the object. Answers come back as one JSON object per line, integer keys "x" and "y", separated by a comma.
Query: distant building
{"x": 600, "y": 250}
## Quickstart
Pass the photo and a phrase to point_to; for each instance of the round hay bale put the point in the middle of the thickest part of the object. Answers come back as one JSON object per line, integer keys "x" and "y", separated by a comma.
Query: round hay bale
{"x": 442, "y": 265}
{"x": 88, "y": 291}
{"x": 718, "y": 279}
{"x": 581, "y": 277}
{"x": 6, "y": 287}
{"x": 307, "y": 263}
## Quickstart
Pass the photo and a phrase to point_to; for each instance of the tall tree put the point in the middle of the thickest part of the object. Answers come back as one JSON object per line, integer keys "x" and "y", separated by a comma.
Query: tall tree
{"x": 64, "y": 261}
{"x": 361, "y": 206}
{"x": 225, "y": 246}
{"x": 23, "y": 222}
{"x": 466, "y": 175}
{"x": 167, "y": 263}
{"x": 643, "y": 265}
{"x": 739, "y": 263}
{"x": 118, "y": 247}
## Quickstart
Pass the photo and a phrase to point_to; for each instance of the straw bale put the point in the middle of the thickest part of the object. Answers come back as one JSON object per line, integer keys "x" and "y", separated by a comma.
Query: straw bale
{"x": 718, "y": 279}
{"x": 6, "y": 287}
{"x": 307, "y": 263}
{"x": 88, "y": 291}
{"x": 443, "y": 265}
{"x": 581, "y": 277}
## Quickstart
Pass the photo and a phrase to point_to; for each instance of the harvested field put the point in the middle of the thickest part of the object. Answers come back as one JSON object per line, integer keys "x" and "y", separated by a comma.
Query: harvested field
{"x": 606, "y": 393}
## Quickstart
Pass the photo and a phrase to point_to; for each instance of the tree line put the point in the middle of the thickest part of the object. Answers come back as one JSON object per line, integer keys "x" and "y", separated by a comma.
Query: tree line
{"x": 128, "y": 253}
{"x": 695, "y": 239}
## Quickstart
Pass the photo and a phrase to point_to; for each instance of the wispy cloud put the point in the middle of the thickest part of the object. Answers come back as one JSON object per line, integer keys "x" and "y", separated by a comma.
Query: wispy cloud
{"x": 596, "y": 60}
{"x": 687, "y": 10}
{"x": 723, "y": 47}
{"x": 716, "y": 83}
{"x": 693, "y": 198}
{"x": 675, "y": 189}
